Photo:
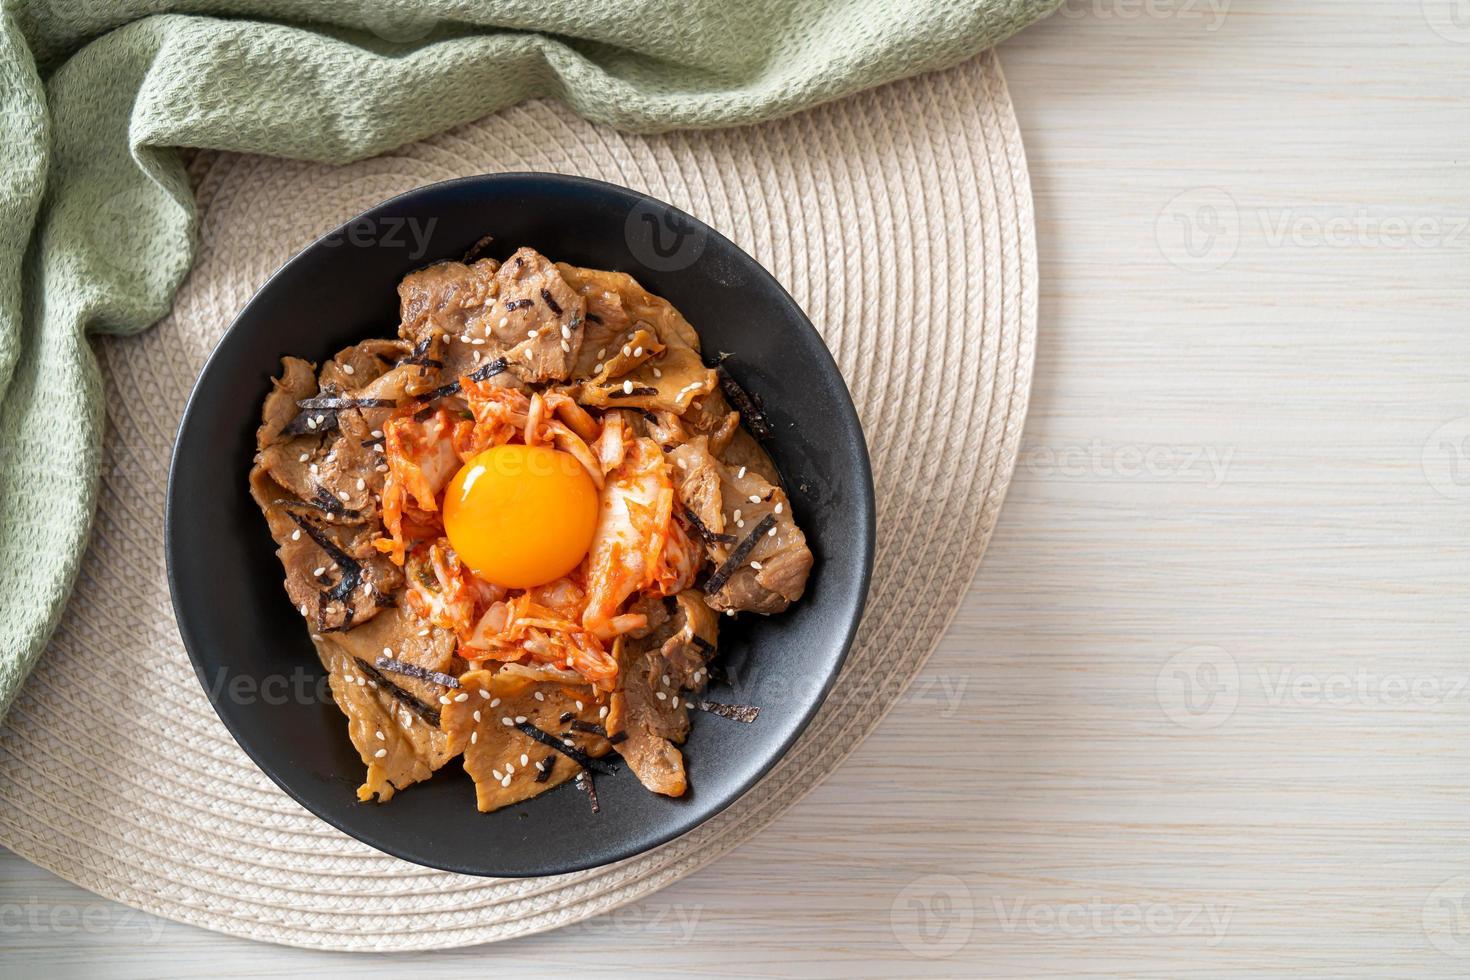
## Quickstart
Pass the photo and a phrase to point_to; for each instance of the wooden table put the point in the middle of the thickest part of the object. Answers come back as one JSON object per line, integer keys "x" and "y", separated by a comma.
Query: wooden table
{"x": 1207, "y": 707}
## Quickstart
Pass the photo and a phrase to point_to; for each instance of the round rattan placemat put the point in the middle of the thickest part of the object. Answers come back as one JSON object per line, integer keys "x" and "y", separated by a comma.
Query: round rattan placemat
{"x": 900, "y": 219}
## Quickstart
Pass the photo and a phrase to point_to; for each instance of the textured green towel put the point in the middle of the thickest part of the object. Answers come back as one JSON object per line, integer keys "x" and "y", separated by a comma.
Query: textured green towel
{"x": 96, "y": 217}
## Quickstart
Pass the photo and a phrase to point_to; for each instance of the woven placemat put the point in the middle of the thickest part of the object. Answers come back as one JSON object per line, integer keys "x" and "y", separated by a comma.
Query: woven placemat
{"x": 900, "y": 220}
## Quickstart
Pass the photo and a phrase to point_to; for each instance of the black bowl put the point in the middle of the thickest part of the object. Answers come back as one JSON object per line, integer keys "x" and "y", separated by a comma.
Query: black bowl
{"x": 251, "y": 650}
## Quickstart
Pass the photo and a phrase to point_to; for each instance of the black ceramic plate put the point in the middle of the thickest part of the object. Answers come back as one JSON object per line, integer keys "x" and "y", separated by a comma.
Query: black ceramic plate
{"x": 251, "y": 650}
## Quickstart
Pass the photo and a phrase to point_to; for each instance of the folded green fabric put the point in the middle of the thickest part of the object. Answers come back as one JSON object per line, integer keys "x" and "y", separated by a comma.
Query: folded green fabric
{"x": 97, "y": 221}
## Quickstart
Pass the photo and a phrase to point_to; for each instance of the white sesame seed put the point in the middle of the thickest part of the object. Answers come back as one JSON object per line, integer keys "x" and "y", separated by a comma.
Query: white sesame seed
{"x": 474, "y": 736}
{"x": 507, "y": 722}
{"x": 539, "y": 696}
{"x": 579, "y": 705}
{"x": 540, "y": 767}
{"x": 296, "y": 534}
{"x": 344, "y": 494}
{"x": 741, "y": 474}
{"x": 380, "y": 753}
{"x": 739, "y": 523}
{"x": 379, "y": 734}
{"x": 303, "y": 457}
{"x": 496, "y": 774}
{"x": 532, "y": 334}
{"x": 567, "y": 741}
{"x": 387, "y": 651}
{"x": 682, "y": 465}
{"x": 377, "y": 447}
{"x": 476, "y": 715}
{"x": 477, "y": 357}
{"x": 520, "y": 719}
{"x": 730, "y": 613}
{"x": 331, "y": 455}
{"x": 320, "y": 571}
{"x": 755, "y": 498}
{"x": 361, "y": 681}
{"x": 313, "y": 469}
{"x": 665, "y": 679}
{"x": 505, "y": 782}
{"x": 495, "y": 703}
{"x": 509, "y": 768}
{"x": 627, "y": 387}
{"x": 361, "y": 484}
{"x": 637, "y": 351}
{"x": 525, "y": 758}
{"x": 597, "y": 368}
{"x": 461, "y": 697}
{"x": 566, "y": 331}
{"x": 673, "y": 702}
{"x": 755, "y": 565}
{"x": 303, "y": 609}
{"x": 444, "y": 699}
{"x": 657, "y": 373}
{"x": 484, "y": 694}
{"x": 376, "y": 433}
{"x": 735, "y": 516}
{"x": 348, "y": 369}
{"x": 661, "y": 696}
{"x": 311, "y": 423}
{"x": 627, "y": 351}
{"x": 381, "y": 468}
{"x": 566, "y": 347}
{"x": 478, "y": 342}
{"x": 771, "y": 533}
{"x": 448, "y": 339}
{"x": 777, "y": 508}
{"x": 505, "y": 321}
{"x": 601, "y": 353}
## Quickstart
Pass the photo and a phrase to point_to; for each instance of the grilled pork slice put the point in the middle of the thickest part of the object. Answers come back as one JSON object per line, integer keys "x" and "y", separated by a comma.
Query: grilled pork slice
{"x": 393, "y": 731}
{"x": 773, "y": 571}
{"x": 334, "y": 575}
{"x": 491, "y": 718}
{"x": 649, "y": 709}
{"x": 522, "y": 310}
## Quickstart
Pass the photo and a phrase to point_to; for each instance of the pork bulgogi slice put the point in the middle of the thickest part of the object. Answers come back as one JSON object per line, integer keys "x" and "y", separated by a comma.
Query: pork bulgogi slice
{"x": 393, "y": 732}
{"x": 507, "y": 764}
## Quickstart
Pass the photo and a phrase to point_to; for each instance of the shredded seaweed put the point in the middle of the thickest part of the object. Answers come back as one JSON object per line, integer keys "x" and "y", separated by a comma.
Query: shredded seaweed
{"x": 338, "y": 402}
{"x": 634, "y": 392}
{"x": 735, "y": 712}
{"x": 584, "y": 781}
{"x": 543, "y": 769}
{"x": 749, "y": 408}
{"x": 619, "y": 737}
{"x": 551, "y": 304}
{"x": 487, "y": 370}
{"x": 566, "y": 716}
{"x": 552, "y": 742}
{"x": 721, "y": 575}
{"x": 424, "y": 711}
{"x": 518, "y": 304}
{"x": 311, "y": 421}
{"x": 703, "y": 530}
{"x": 588, "y": 727}
{"x": 477, "y": 251}
{"x": 386, "y": 662}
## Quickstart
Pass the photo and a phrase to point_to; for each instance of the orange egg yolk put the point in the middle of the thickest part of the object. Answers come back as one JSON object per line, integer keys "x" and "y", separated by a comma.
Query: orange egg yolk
{"x": 521, "y": 516}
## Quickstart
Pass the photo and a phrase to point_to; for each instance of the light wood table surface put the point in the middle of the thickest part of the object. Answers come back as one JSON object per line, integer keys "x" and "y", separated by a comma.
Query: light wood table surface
{"x": 1207, "y": 707}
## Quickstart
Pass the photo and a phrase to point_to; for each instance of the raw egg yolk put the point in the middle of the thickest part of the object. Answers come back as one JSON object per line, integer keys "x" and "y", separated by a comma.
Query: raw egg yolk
{"x": 521, "y": 516}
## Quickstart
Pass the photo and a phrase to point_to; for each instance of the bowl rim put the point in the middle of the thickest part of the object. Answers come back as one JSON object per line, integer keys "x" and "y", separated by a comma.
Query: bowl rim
{"x": 864, "y": 529}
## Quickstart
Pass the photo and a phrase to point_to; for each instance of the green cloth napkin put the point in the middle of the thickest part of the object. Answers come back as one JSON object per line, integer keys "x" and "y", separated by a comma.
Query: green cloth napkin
{"x": 97, "y": 221}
